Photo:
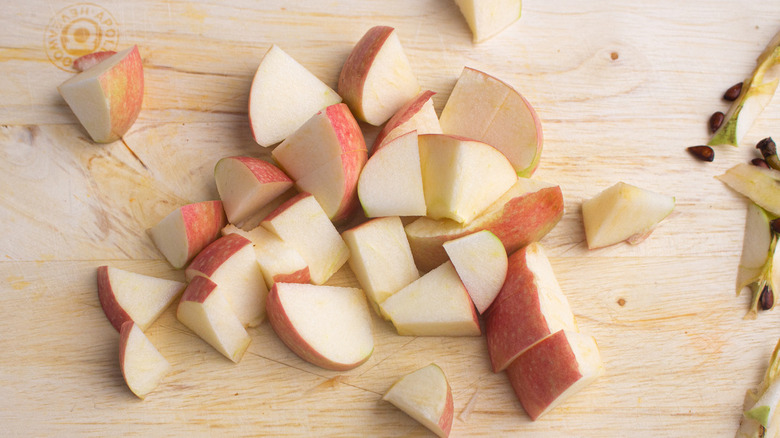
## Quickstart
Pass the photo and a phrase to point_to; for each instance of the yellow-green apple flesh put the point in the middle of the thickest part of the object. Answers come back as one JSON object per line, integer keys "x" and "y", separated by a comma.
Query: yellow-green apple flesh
{"x": 230, "y": 262}
{"x": 524, "y": 214}
{"x": 426, "y": 396}
{"x": 461, "y": 177}
{"x": 377, "y": 78}
{"x": 416, "y": 115}
{"x": 756, "y": 247}
{"x": 623, "y": 212}
{"x": 247, "y": 184}
{"x": 487, "y": 18}
{"x": 530, "y": 307}
{"x": 84, "y": 62}
{"x": 381, "y": 258}
{"x": 303, "y": 224}
{"x": 436, "y": 304}
{"x": 184, "y": 232}
{"x": 327, "y": 326}
{"x": 142, "y": 365}
{"x": 129, "y": 296}
{"x": 553, "y": 370}
{"x": 487, "y": 109}
{"x": 283, "y": 96}
{"x": 481, "y": 262}
{"x": 205, "y": 310}
{"x": 107, "y": 97}
{"x": 758, "y": 184}
{"x": 391, "y": 182}
{"x": 278, "y": 261}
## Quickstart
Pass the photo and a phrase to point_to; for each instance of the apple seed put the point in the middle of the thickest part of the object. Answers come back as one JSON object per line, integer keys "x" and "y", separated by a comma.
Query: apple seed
{"x": 759, "y": 162}
{"x": 775, "y": 225}
{"x": 769, "y": 151}
{"x": 733, "y": 92}
{"x": 716, "y": 119}
{"x": 703, "y": 153}
{"x": 767, "y": 298}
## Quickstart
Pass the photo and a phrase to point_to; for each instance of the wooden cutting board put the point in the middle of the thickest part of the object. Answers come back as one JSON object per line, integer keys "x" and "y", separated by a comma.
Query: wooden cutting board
{"x": 622, "y": 87}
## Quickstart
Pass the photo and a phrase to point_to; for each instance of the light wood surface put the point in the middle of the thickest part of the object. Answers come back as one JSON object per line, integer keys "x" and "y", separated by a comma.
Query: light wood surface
{"x": 622, "y": 87}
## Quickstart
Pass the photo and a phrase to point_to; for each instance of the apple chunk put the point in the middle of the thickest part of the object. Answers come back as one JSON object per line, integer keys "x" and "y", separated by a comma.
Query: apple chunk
{"x": 426, "y": 396}
{"x": 487, "y": 18}
{"x": 187, "y": 230}
{"x": 416, "y": 115}
{"x": 128, "y": 296}
{"x": 327, "y": 326}
{"x": 481, "y": 262}
{"x": 107, "y": 97}
{"x": 143, "y": 367}
{"x": 760, "y": 185}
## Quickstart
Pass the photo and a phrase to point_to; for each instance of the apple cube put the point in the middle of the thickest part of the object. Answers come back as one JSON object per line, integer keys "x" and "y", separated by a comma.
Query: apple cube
{"x": 107, "y": 97}
{"x": 283, "y": 96}
{"x": 426, "y": 396}
{"x": 187, "y": 230}
{"x": 416, "y": 115}
{"x": 89, "y": 60}
{"x": 487, "y": 18}
{"x": 143, "y": 367}
{"x": 128, "y": 296}
{"x": 481, "y": 262}
{"x": 246, "y": 184}
{"x": 254, "y": 220}
{"x": 760, "y": 185}
{"x": 327, "y": 326}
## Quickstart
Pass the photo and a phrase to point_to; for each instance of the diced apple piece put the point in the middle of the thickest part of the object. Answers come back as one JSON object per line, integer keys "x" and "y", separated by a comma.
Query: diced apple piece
{"x": 553, "y": 370}
{"x": 426, "y": 396}
{"x": 530, "y": 307}
{"x": 461, "y": 177}
{"x": 254, "y": 220}
{"x": 391, "y": 182}
{"x": 187, "y": 230}
{"x": 107, "y": 97}
{"x": 436, "y": 304}
{"x": 128, "y": 296}
{"x": 381, "y": 258}
{"x": 283, "y": 96}
{"x": 760, "y": 185}
{"x": 204, "y": 309}
{"x": 756, "y": 247}
{"x": 89, "y": 60}
{"x": 377, "y": 79}
{"x": 334, "y": 185}
{"x": 487, "y": 18}
{"x": 246, "y": 184}
{"x": 524, "y": 214}
{"x": 481, "y": 262}
{"x": 487, "y": 109}
{"x": 623, "y": 213}
{"x": 143, "y": 367}
{"x": 416, "y": 115}
{"x": 303, "y": 224}
{"x": 327, "y": 326}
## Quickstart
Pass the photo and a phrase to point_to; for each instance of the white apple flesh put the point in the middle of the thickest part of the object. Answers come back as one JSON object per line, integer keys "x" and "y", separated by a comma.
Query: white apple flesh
{"x": 760, "y": 185}
{"x": 426, "y": 396}
{"x": 481, "y": 262}
{"x": 416, "y": 115}
{"x": 187, "y": 230}
{"x": 487, "y": 18}
{"x": 142, "y": 365}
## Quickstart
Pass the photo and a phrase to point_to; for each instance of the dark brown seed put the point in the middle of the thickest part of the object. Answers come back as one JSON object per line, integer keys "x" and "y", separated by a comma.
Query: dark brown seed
{"x": 767, "y": 147}
{"x": 775, "y": 225}
{"x": 767, "y": 298}
{"x": 716, "y": 119}
{"x": 703, "y": 153}
{"x": 733, "y": 93}
{"x": 759, "y": 162}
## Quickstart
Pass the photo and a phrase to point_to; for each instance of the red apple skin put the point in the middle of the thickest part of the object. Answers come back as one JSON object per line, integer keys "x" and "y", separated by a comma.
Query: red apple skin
{"x": 301, "y": 276}
{"x": 203, "y": 222}
{"x": 264, "y": 171}
{"x": 401, "y": 116}
{"x": 353, "y": 157}
{"x": 213, "y": 256}
{"x": 126, "y": 96}
{"x": 285, "y": 205}
{"x": 86, "y": 61}
{"x": 124, "y": 334}
{"x": 445, "y": 421}
{"x": 114, "y": 312}
{"x": 355, "y": 71}
{"x": 198, "y": 290}
{"x": 352, "y": 164}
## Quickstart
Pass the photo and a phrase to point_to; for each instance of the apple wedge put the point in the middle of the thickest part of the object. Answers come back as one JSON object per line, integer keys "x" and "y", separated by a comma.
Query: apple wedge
{"x": 253, "y": 221}
{"x": 426, "y": 396}
{"x": 327, "y": 326}
{"x": 758, "y": 184}
{"x": 107, "y": 97}
{"x": 377, "y": 79}
{"x": 481, "y": 262}
{"x": 436, "y": 304}
{"x": 487, "y": 109}
{"x": 204, "y": 309}
{"x": 757, "y": 247}
{"x": 84, "y": 62}
{"x": 524, "y": 214}
{"x": 143, "y": 367}
{"x": 553, "y": 370}
{"x": 247, "y": 184}
{"x": 187, "y": 230}
{"x": 391, "y": 182}
{"x": 461, "y": 177}
{"x": 416, "y": 115}
{"x": 623, "y": 213}
{"x": 230, "y": 262}
{"x": 128, "y": 296}
{"x": 283, "y": 96}
{"x": 530, "y": 307}
{"x": 487, "y": 18}
{"x": 381, "y": 258}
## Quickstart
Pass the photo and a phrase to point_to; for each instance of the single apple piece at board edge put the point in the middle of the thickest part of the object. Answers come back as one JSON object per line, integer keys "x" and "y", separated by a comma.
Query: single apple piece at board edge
{"x": 230, "y": 262}
{"x": 530, "y": 307}
{"x": 377, "y": 79}
{"x": 283, "y": 96}
{"x": 246, "y": 184}
{"x": 760, "y": 185}
{"x": 757, "y": 411}
{"x": 184, "y": 232}
{"x": 204, "y": 309}
{"x": 327, "y": 326}
{"x": 481, "y": 262}
{"x": 757, "y": 92}
{"x": 524, "y": 214}
{"x": 426, "y": 396}
{"x": 553, "y": 370}
{"x": 142, "y": 365}
{"x": 487, "y": 18}
{"x": 758, "y": 266}
{"x": 487, "y": 109}
{"x": 91, "y": 59}
{"x": 623, "y": 212}
{"x": 107, "y": 97}
{"x": 416, "y": 115}
{"x": 128, "y": 296}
